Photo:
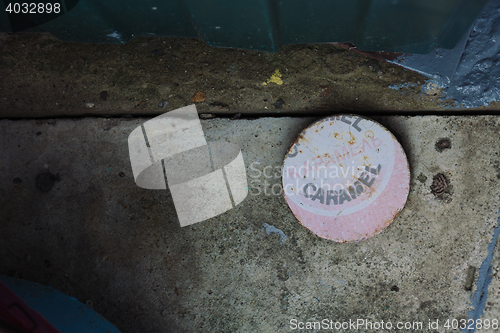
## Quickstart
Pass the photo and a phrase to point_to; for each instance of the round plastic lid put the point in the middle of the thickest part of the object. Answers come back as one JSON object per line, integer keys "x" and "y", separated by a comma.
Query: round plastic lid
{"x": 345, "y": 178}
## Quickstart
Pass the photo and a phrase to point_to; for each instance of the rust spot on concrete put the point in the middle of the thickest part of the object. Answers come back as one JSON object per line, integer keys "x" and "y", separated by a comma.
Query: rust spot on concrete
{"x": 198, "y": 97}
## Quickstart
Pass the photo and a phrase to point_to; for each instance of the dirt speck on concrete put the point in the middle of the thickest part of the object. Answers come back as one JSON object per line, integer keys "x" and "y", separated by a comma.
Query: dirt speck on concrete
{"x": 443, "y": 144}
{"x": 45, "y": 181}
{"x": 422, "y": 178}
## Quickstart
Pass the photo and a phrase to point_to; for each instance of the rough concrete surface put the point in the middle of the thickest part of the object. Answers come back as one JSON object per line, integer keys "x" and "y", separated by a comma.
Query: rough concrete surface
{"x": 44, "y": 77}
{"x": 73, "y": 218}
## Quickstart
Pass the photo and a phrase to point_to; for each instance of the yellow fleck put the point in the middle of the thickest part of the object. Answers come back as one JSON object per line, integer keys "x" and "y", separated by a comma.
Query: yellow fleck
{"x": 275, "y": 78}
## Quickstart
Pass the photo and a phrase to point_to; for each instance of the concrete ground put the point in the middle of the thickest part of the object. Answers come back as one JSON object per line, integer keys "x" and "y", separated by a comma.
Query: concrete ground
{"x": 73, "y": 217}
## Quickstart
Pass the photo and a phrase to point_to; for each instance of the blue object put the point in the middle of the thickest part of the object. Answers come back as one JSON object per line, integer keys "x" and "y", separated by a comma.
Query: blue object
{"x": 470, "y": 72}
{"x": 411, "y": 26}
{"x": 65, "y": 313}
{"x": 479, "y": 298}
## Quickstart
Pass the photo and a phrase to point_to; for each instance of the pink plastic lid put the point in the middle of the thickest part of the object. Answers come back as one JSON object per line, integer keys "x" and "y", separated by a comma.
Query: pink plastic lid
{"x": 345, "y": 178}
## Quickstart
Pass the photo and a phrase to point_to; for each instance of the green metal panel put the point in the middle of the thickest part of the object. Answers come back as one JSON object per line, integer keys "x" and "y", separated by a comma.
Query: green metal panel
{"x": 412, "y": 26}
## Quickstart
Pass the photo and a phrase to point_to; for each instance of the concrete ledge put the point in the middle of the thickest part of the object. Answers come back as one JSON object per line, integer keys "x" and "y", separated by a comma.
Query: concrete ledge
{"x": 44, "y": 77}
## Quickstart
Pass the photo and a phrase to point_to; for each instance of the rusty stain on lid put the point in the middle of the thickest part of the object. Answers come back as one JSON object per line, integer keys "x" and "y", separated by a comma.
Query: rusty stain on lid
{"x": 345, "y": 178}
